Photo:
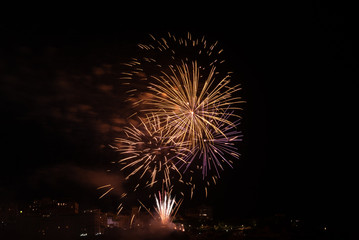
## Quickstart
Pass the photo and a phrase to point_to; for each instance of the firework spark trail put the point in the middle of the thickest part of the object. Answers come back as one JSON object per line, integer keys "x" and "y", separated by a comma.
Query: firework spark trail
{"x": 166, "y": 207}
{"x": 213, "y": 151}
{"x": 160, "y": 53}
{"x": 151, "y": 152}
{"x": 191, "y": 109}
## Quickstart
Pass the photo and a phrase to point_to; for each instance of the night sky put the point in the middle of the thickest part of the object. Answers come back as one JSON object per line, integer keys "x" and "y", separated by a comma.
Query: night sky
{"x": 61, "y": 104}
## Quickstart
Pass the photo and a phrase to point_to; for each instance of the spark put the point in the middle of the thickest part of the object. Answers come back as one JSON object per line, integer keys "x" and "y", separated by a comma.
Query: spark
{"x": 191, "y": 106}
{"x": 106, "y": 192}
{"x": 150, "y": 152}
{"x": 214, "y": 152}
{"x": 132, "y": 218}
{"x": 166, "y": 207}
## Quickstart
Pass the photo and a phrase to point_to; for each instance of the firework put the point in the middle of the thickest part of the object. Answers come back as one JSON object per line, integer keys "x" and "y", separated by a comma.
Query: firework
{"x": 179, "y": 80}
{"x": 166, "y": 207}
{"x": 214, "y": 150}
{"x": 214, "y": 154}
{"x": 160, "y": 53}
{"x": 150, "y": 153}
{"x": 192, "y": 103}
{"x": 186, "y": 107}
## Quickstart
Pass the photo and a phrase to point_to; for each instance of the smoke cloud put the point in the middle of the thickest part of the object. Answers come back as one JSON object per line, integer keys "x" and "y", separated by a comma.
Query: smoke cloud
{"x": 60, "y": 177}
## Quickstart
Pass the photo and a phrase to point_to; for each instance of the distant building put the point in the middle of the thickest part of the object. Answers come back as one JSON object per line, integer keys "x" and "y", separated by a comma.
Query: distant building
{"x": 48, "y": 207}
{"x": 92, "y": 222}
{"x": 206, "y": 212}
{"x": 118, "y": 221}
{"x": 51, "y": 219}
{"x": 201, "y": 213}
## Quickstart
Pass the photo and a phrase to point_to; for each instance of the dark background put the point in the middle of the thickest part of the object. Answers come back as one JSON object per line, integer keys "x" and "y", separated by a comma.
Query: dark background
{"x": 297, "y": 65}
